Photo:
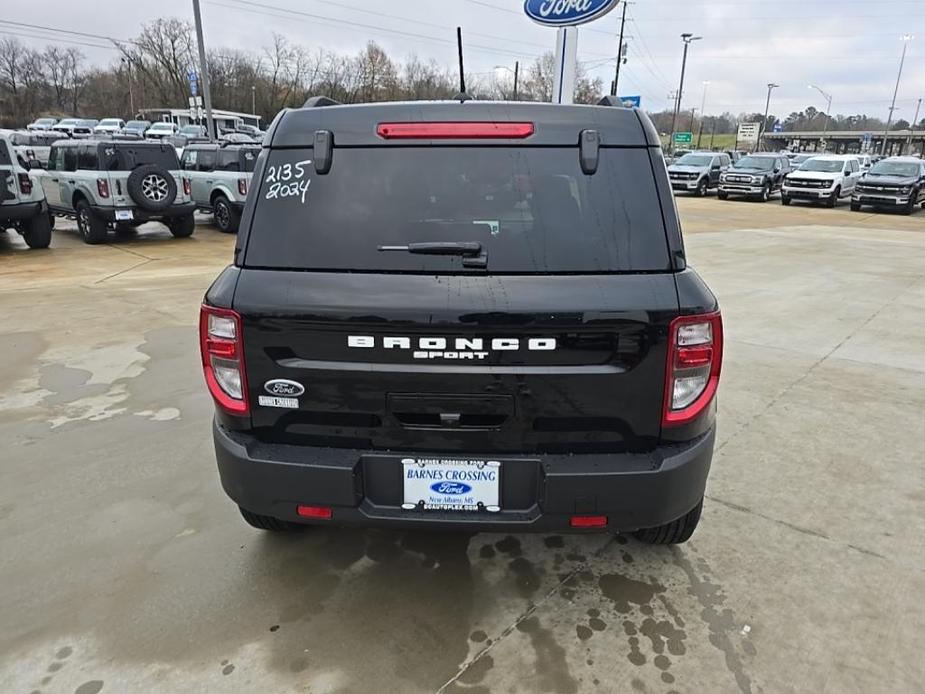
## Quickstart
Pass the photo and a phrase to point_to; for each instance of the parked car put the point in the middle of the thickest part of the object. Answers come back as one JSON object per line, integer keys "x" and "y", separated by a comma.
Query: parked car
{"x": 109, "y": 126}
{"x": 894, "y": 183}
{"x": 42, "y": 124}
{"x": 436, "y": 328}
{"x": 161, "y": 129}
{"x": 117, "y": 185}
{"x": 193, "y": 131}
{"x": 66, "y": 126}
{"x": 219, "y": 177}
{"x": 22, "y": 204}
{"x": 827, "y": 178}
{"x": 33, "y": 144}
{"x": 757, "y": 176}
{"x": 137, "y": 126}
{"x": 238, "y": 138}
{"x": 698, "y": 172}
{"x": 797, "y": 160}
{"x": 76, "y": 127}
{"x": 251, "y": 130}
{"x": 734, "y": 155}
{"x": 864, "y": 161}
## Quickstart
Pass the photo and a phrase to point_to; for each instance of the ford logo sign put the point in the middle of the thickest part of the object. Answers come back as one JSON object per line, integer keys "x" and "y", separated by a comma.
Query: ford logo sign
{"x": 454, "y": 488}
{"x": 561, "y": 13}
{"x": 284, "y": 388}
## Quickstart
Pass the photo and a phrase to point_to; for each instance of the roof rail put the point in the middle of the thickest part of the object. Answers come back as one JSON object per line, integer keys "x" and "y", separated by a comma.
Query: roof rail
{"x": 320, "y": 102}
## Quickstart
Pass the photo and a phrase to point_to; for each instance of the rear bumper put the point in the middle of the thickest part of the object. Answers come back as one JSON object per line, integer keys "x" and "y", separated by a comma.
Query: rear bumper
{"x": 140, "y": 215}
{"x": 539, "y": 493}
{"x": 23, "y": 210}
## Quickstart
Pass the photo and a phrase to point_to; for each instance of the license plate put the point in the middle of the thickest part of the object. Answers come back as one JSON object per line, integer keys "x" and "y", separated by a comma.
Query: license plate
{"x": 124, "y": 215}
{"x": 447, "y": 484}
{"x": 280, "y": 403}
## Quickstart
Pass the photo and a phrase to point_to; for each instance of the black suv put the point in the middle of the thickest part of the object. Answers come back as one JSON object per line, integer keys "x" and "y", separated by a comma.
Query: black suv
{"x": 465, "y": 315}
{"x": 757, "y": 177}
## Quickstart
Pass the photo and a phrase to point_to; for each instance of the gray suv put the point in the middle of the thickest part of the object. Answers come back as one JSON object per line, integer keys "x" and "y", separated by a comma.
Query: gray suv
{"x": 697, "y": 172}
{"x": 109, "y": 184}
{"x": 22, "y": 204}
{"x": 219, "y": 176}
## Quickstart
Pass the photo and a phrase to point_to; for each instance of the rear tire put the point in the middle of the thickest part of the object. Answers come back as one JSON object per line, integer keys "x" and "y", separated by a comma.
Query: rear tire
{"x": 255, "y": 520}
{"x": 674, "y": 533}
{"x": 785, "y": 201}
{"x": 92, "y": 228}
{"x": 37, "y": 231}
{"x": 722, "y": 195}
{"x": 226, "y": 218}
{"x": 855, "y": 207}
{"x": 182, "y": 227}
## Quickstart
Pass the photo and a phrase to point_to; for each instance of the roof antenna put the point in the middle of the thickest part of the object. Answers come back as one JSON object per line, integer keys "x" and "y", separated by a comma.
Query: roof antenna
{"x": 462, "y": 96}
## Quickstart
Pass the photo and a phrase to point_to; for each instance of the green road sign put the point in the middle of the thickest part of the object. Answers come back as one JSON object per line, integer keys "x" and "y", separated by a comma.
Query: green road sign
{"x": 683, "y": 138}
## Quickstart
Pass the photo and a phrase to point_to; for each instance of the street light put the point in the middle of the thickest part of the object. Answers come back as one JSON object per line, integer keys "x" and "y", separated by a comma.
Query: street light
{"x": 703, "y": 113}
{"x": 906, "y": 38}
{"x": 254, "y": 99}
{"x": 515, "y": 72}
{"x": 767, "y": 109}
{"x": 828, "y": 114}
{"x": 688, "y": 39}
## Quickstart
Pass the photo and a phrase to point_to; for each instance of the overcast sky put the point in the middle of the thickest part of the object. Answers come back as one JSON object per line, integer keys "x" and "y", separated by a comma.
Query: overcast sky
{"x": 851, "y": 52}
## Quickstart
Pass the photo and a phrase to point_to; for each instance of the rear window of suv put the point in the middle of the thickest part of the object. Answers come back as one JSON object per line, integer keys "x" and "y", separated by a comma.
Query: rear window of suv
{"x": 532, "y": 210}
{"x": 129, "y": 157}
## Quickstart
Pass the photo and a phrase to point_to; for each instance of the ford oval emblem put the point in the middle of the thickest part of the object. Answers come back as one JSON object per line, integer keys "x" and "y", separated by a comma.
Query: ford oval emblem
{"x": 453, "y": 488}
{"x": 563, "y": 13}
{"x": 284, "y": 388}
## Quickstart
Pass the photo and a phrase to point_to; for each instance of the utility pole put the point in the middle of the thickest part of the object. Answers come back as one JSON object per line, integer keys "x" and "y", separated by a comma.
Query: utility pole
{"x": 713, "y": 135}
{"x": 516, "y": 77}
{"x": 616, "y": 79}
{"x": 886, "y": 133}
{"x": 688, "y": 39}
{"x": 131, "y": 96}
{"x": 915, "y": 121}
{"x": 254, "y": 99}
{"x": 767, "y": 109}
{"x": 204, "y": 70}
{"x": 693, "y": 114}
{"x": 703, "y": 113}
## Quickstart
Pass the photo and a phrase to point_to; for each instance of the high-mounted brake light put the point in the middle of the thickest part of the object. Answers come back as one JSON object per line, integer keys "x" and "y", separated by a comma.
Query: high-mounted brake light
{"x": 695, "y": 357}
{"x": 455, "y": 131}
{"x": 102, "y": 186}
{"x": 221, "y": 343}
{"x": 242, "y": 186}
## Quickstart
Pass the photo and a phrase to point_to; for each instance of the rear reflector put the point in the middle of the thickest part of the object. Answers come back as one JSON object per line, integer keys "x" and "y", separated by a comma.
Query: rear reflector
{"x": 316, "y": 512}
{"x": 455, "y": 131}
{"x": 588, "y": 521}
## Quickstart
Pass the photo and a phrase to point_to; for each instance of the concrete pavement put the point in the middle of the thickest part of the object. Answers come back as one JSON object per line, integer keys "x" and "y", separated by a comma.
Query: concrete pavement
{"x": 124, "y": 568}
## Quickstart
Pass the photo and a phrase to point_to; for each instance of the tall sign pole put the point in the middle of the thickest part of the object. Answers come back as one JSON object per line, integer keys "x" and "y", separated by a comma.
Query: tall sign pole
{"x": 565, "y": 17}
{"x": 204, "y": 71}
{"x": 616, "y": 79}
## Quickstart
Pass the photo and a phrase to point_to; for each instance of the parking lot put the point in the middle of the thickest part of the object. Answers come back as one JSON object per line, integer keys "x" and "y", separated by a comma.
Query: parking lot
{"x": 125, "y": 567}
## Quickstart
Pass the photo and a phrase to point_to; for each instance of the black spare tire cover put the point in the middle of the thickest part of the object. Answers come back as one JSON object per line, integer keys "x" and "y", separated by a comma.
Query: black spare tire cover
{"x": 152, "y": 187}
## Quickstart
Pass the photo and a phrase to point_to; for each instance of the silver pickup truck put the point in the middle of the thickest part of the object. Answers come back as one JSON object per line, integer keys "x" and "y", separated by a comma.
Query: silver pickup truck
{"x": 219, "y": 177}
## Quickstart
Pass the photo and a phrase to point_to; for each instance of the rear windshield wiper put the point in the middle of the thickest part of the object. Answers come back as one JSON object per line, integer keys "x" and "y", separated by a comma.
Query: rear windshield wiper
{"x": 467, "y": 248}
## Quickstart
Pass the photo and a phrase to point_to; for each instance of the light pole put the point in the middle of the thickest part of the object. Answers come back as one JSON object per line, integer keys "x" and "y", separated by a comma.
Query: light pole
{"x": 906, "y": 38}
{"x": 703, "y": 113}
{"x": 688, "y": 39}
{"x": 254, "y": 99}
{"x": 515, "y": 72}
{"x": 204, "y": 70}
{"x": 767, "y": 109}
{"x": 828, "y": 113}
{"x": 616, "y": 79}
{"x": 915, "y": 121}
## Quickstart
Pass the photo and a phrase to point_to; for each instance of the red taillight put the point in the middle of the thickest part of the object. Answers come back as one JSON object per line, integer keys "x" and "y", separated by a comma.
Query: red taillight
{"x": 588, "y": 521}
{"x": 242, "y": 186}
{"x": 102, "y": 186}
{"x": 316, "y": 512}
{"x": 221, "y": 344}
{"x": 455, "y": 131}
{"x": 25, "y": 184}
{"x": 187, "y": 186}
{"x": 695, "y": 357}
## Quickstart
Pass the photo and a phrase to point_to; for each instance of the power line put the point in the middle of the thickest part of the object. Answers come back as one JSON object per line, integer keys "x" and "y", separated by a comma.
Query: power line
{"x": 69, "y": 32}
{"x": 57, "y": 39}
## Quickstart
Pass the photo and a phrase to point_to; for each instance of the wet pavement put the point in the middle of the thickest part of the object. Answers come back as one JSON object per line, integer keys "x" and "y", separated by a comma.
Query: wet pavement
{"x": 124, "y": 567}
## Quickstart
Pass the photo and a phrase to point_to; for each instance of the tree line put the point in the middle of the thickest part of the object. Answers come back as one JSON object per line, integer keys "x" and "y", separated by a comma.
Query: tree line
{"x": 151, "y": 71}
